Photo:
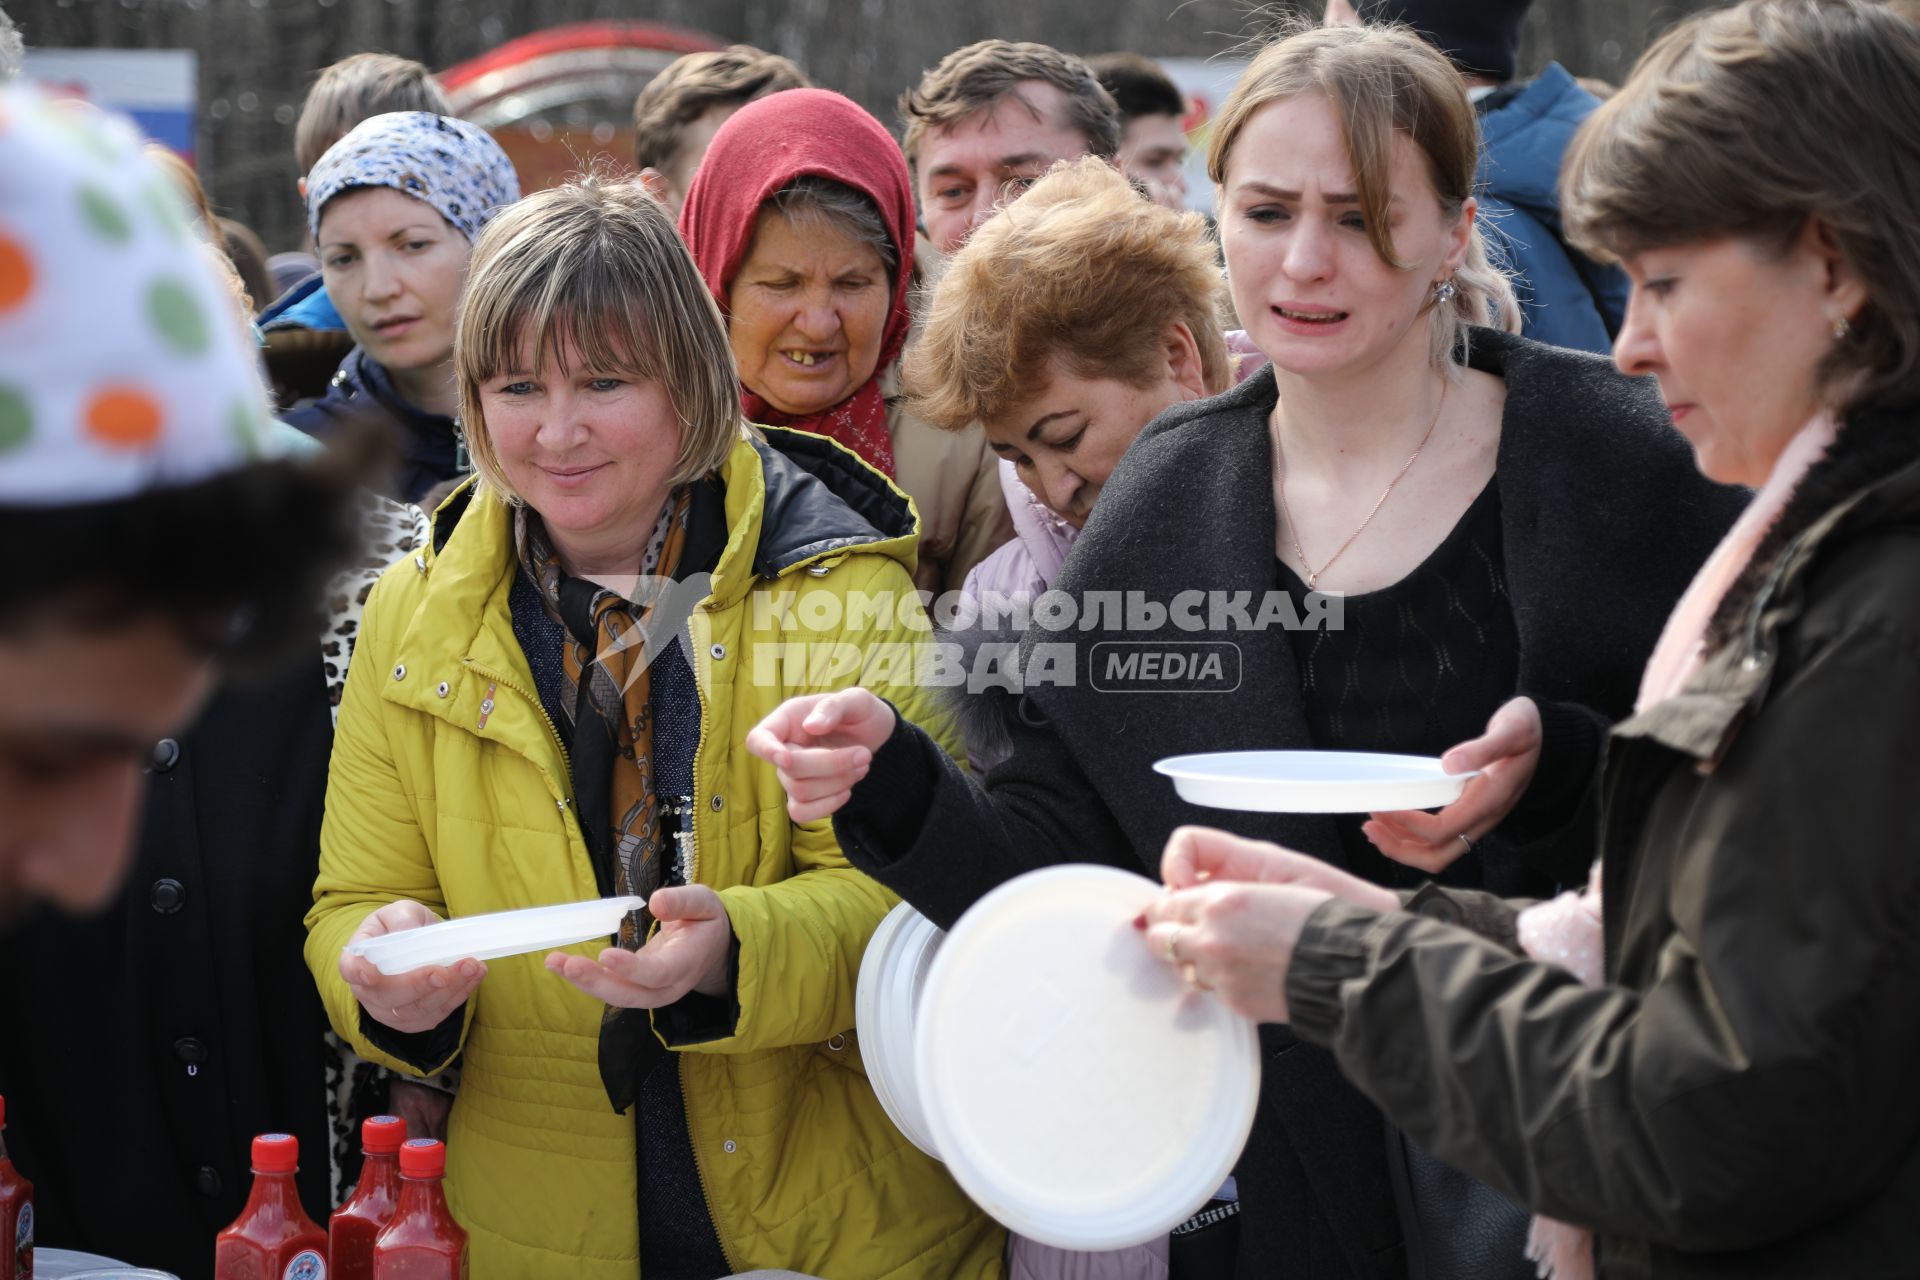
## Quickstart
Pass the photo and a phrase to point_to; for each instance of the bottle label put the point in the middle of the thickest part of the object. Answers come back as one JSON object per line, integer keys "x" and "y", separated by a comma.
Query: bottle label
{"x": 23, "y": 1241}
{"x": 306, "y": 1265}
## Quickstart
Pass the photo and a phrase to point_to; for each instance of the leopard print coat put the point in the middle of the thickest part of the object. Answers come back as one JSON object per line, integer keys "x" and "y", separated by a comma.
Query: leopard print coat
{"x": 390, "y": 531}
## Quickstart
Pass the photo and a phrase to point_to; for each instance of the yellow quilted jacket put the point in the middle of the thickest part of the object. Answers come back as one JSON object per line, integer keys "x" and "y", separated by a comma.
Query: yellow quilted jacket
{"x": 430, "y": 799}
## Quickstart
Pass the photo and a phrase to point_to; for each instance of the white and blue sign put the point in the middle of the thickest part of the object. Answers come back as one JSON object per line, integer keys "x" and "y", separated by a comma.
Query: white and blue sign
{"x": 157, "y": 87}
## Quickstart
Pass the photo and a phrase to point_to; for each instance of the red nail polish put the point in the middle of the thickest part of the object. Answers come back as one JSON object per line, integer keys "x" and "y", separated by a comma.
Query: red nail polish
{"x": 1140, "y": 922}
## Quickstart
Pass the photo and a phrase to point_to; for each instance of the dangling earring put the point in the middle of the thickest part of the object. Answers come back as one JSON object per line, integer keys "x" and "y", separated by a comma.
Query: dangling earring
{"x": 1443, "y": 293}
{"x": 1841, "y": 328}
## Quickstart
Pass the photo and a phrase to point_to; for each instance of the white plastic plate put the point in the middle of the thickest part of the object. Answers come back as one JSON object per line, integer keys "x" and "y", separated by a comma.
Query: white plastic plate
{"x": 69, "y": 1264}
{"x": 892, "y": 975}
{"x": 503, "y": 933}
{"x": 1077, "y": 1089}
{"x": 1313, "y": 781}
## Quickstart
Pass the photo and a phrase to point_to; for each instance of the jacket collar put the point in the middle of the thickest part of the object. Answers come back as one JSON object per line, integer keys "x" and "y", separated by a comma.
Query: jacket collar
{"x": 360, "y": 374}
{"x": 1868, "y": 480}
{"x": 810, "y": 500}
{"x": 794, "y": 502}
{"x": 305, "y": 305}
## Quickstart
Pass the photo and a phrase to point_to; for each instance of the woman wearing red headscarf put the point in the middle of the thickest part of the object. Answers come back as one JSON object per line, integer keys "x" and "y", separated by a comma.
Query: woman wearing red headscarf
{"x": 801, "y": 220}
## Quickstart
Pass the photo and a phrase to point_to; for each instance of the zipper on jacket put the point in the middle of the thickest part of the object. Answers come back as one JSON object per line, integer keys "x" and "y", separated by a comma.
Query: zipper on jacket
{"x": 695, "y": 1131}
{"x": 698, "y": 1135}
{"x": 553, "y": 730}
{"x": 699, "y": 744}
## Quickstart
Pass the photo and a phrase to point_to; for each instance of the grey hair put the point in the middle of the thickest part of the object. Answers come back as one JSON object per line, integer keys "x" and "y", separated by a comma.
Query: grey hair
{"x": 811, "y": 198}
{"x": 13, "y": 49}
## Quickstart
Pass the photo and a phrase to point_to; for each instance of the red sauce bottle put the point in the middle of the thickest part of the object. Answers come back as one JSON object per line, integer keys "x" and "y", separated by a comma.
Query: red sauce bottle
{"x": 273, "y": 1238}
{"x": 16, "y": 1214}
{"x": 354, "y": 1225}
{"x": 423, "y": 1242}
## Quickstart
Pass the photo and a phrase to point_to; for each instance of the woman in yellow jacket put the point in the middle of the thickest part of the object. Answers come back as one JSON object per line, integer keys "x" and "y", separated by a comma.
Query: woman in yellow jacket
{"x": 549, "y": 705}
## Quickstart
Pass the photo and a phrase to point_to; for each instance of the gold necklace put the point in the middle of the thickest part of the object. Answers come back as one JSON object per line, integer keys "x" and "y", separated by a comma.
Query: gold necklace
{"x": 1293, "y": 530}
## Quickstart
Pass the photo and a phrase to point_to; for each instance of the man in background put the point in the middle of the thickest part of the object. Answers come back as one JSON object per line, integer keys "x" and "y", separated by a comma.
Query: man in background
{"x": 354, "y": 89}
{"x": 677, "y": 114}
{"x": 989, "y": 120}
{"x": 1153, "y": 135}
{"x": 1566, "y": 298}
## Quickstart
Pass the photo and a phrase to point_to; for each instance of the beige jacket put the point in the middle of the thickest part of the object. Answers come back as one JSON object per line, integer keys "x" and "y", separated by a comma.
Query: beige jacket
{"x": 954, "y": 481}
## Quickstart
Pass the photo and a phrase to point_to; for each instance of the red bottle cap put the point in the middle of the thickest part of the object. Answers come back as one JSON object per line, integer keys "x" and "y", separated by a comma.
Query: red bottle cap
{"x": 382, "y": 1135}
{"x": 276, "y": 1153}
{"x": 3, "y": 1111}
{"x": 422, "y": 1158}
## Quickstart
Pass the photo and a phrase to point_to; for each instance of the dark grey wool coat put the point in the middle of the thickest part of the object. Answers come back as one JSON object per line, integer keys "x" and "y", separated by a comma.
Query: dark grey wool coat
{"x": 1605, "y": 520}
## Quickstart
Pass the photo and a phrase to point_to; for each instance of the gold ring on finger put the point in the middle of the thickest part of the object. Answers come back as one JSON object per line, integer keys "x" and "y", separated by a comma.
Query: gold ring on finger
{"x": 1173, "y": 937}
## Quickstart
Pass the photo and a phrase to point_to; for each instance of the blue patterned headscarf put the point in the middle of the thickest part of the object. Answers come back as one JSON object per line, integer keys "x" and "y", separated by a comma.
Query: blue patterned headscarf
{"x": 454, "y": 166}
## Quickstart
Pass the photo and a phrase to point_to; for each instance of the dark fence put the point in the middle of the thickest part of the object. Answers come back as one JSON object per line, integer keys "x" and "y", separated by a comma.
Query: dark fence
{"x": 258, "y": 56}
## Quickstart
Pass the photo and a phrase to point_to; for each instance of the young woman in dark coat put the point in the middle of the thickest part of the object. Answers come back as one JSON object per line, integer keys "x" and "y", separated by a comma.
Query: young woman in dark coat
{"x": 1503, "y": 518}
{"x": 1702, "y": 1065}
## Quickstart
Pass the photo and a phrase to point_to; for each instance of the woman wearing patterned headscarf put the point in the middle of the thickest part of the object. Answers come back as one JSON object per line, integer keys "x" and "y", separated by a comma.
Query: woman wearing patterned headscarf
{"x": 801, "y": 221}
{"x": 394, "y": 208}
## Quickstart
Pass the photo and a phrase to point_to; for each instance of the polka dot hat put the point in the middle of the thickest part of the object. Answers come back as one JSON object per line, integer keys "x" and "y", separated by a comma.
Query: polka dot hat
{"x": 125, "y": 364}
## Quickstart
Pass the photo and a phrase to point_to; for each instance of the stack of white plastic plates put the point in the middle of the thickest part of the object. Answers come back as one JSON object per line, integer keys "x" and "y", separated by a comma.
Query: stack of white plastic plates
{"x": 891, "y": 976}
{"x": 1313, "y": 781}
{"x": 503, "y": 933}
{"x": 68, "y": 1264}
{"x": 1077, "y": 1089}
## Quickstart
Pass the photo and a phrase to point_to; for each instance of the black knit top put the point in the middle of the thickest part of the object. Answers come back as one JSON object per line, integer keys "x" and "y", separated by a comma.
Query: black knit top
{"x": 1414, "y": 668}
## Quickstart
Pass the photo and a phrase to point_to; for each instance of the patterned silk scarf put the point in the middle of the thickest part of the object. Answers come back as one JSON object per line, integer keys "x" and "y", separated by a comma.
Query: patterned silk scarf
{"x": 610, "y": 647}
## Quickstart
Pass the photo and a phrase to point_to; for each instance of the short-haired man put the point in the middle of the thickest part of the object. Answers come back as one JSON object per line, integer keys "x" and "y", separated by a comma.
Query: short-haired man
{"x": 1566, "y": 298}
{"x": 1153, "y": 134}
{"x": 680, "y": 110}
{"x": 991, "y": 118}
{"x": 355, "y": 89}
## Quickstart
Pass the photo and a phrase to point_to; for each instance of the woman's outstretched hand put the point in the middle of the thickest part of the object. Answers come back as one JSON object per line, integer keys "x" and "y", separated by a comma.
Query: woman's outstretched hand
{"x": 1234, "y": 911}
{"x": 1506, "y": 756}
{"x": 820, "y": 745}
{"x": 689, "y": 953}
{"x": 420, "y": 999}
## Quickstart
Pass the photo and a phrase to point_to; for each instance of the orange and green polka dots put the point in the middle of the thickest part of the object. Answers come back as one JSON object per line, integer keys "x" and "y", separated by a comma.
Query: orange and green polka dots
{"x": 124, "y": 417}
{"x": 16, "y": 420}
{"x": 125, "y": 363}
{"x": 16, "y": 273}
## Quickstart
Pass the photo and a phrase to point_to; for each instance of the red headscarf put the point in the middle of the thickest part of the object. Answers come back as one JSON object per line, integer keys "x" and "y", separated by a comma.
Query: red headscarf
{"x": 763, "y": 147}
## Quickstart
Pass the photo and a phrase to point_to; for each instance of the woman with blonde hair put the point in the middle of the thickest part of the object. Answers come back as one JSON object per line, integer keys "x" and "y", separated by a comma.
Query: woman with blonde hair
{"x": 547, "y": 707}
{"x": 1415, "y": 532}
{"x": 1706, "y": 1058}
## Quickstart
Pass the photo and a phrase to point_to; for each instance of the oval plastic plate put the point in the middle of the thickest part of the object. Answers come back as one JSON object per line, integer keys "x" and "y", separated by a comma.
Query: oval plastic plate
{"x": 1077, "y": 1089}
{"x": 1312, "y": 781}
{"x": 502, "y": 933}
{"x": 886, "y": 1000}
